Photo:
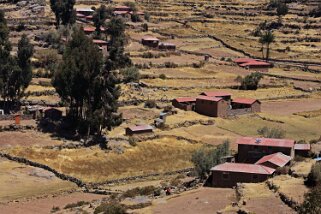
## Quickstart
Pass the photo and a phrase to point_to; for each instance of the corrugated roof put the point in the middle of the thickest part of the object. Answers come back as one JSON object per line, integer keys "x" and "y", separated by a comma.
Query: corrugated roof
{"x": 120, "y": 12}
{"x": 266, "y": 142}
{"x": 278, "y": 159}
{"x": 121, "y": 7}
{"x": 185, "y": 99}
{"x": 138, "y": 12}
{"x": 216, "y": 93}
{"x": 244, "y": 101}
{"x": 302, "y": 146}
{"x": 254, "y": 63}
{"x": 243, "y": 60}
{"x": 84, "y": 10}
{"x": 244, "y": 168}
{"x": 166, "y": 44}
{"x": 151, "y": 38}
{"x": 215, "y": 99}
{"x": 141, "y": 128}
{"x": 98, "y": 41}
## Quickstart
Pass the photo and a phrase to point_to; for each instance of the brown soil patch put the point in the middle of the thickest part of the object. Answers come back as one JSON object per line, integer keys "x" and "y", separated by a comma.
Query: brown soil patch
{"x": 203, "y": 200}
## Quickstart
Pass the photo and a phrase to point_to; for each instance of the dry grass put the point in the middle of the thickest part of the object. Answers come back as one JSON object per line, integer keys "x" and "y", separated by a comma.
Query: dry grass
{"x": 309, "y": 114}
{"x": 95, "y": 165}
{"x": 303, "y": 168}
{"x": 20, "y": 181}
{"x": 292, "y": 187}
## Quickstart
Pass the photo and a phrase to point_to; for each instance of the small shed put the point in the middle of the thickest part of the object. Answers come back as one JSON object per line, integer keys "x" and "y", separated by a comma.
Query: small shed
{"x": 84, "y": 11}
{"x": 150, "y": 41}
{"x": 302, "y": 149}
{"x": 184, "y": 103}
{"x": 167, "y": 46}
{"x": 211, "y": 106}
{"x": 229, "y": 174}
{"x": 254, "y": 65}
{"x": 141, "y": 129}
{"x": 53, "y": 113}
{"x": 246, "y": 103}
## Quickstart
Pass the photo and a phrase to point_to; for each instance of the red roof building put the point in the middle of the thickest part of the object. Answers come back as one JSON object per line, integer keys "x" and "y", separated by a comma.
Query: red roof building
{"x": 185, "y": 103}
{"x": 274, "y": 160}
{"x": 141, "y": 129}
{"x": 250, "y": 149}
{"x": 150, "y": 41}
{"x": 223, "y": 94}
{"x": 253, "y": 64}
{"x": 229, "y": 174}
{"x": 243, "y": 60}
{"x": 252, "y": 105}
{"x": 122, "y": 8}
{"x": 302, "y": 149}
{"x": 211, "y": 106}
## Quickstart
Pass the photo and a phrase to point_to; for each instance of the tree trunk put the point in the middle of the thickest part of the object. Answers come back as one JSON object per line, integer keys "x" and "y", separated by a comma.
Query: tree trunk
{"x": 267, "y": 51}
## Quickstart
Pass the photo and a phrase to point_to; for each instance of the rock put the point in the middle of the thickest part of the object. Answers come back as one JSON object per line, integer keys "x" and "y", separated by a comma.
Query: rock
{"x": 22, "y": 3}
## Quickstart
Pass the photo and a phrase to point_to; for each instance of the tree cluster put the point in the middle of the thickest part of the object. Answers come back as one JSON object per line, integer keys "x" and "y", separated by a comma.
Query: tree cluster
{"x": 64, "y": 11}
{"x": 250, "y": 82}
{"x": 15, "y": 71}
{"x": 205, "y": 158}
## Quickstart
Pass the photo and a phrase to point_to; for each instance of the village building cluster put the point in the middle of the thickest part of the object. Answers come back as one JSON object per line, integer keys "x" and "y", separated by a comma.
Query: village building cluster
{"x": 257, "y": 160}
{"x": 217, "y": 104}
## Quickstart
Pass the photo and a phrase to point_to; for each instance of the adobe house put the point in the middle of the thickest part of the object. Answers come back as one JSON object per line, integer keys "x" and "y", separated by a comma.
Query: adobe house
{"x": 103, "y": 45}
{"x": 53, "y": 113}
{"x": 229, "y": 174}
{"x": 184, "y": 103}
{"x": 123, "y": 14}
{"x": 275, "y": 160}
{"x": 222, "y": 94}
{"x": 150, "y": 41}
{"x": 211, "y": 106}
{"x": 302, "y": 149}
{"x": 252, "y": 105}
{"x": 239, "y": 61}
{"x": 167, "y": 46}
{"x": 142, "y": 129}
{"x": 258, "y": 66}
{"x": 89, "y": 30}
{"x": 251, "y": 149}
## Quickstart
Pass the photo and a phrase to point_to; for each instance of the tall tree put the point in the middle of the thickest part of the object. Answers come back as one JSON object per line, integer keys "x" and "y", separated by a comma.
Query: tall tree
{"x": 281, "y": 10}
{"x": 117, "y": 58}
{"x": 266, "y": 39}
{"x": 64, "y": 12}
{"x": 91, "y": 92}
{"x": 100, "y": 16}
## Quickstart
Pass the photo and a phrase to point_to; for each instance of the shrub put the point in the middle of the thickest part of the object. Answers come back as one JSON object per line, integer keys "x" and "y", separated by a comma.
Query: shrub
{"x": 162, "y": 76}
{"x": 148, "y": 55}
{"x": 314, "y": 177}
{"x": 21, "y": 26}
{"x": 170, "y": 65}
{"x": 132, "y": 141}
{"x": 78, "y": 204}
{"x": 271, "y": 132}
{"x": 130, "y": 74}
{"x": 135, "y": 18}
{"x": 205, "y": 158}
{"x": 148, "y": 190}
{"x": 147, "y": 16}
{"x": 150, "y": 104}
{"x": 251, "y": 81}
{"x": 312, "y": 202}
{"x": 55, "y": 209}
{"x": 110, "y": 208}
{"x": 145, "y": 27}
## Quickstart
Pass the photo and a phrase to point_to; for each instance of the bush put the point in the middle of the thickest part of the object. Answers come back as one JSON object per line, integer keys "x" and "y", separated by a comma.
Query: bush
{"x": 21, "y": 26}
{"x": 145, "y": 27}
{"x": 48, "y": 59}
{"x": 148, "y": 55}
{"x": 251, "y": 81}
{"x": 55, "y": 209}
{"x": 271, "y": 132}
{"x": 135, "y": 18}
{"x": 150, "y": 104}
{"x": 312, "y": 202}
{"x": 139, "y": 191}
{"x": 78, "y": 204}
{"x": 147, "y": 16}
{"x": 130, "y": 74}
{"x": 205, "y": 158}
{"x": 314, "y": 177}
{"x": 162, "y": 76}
{"x": 132, "y": 141}
{"x": 170, "y": 65}
{"x": 110, "y": 208}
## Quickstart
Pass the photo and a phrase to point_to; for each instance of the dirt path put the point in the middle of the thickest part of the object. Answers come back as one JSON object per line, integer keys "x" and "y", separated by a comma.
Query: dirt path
{"x": 288, "y": 107}
{"x": 44, "y": 205}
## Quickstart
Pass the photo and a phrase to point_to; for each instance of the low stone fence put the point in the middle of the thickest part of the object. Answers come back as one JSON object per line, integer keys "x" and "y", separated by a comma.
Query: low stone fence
{"x": 12, "y": 117}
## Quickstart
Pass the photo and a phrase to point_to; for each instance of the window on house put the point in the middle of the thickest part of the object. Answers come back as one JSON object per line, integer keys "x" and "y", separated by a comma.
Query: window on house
{"x": 225, "y": 176}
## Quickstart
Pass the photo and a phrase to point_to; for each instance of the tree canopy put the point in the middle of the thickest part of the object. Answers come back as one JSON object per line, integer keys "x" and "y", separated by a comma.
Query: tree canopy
{"x": 64, "y": 11}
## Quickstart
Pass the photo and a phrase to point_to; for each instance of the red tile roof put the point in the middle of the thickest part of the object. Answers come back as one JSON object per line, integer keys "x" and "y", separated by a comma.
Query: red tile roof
{"x": 248, "y": 101}
{"x": 216, "y": 93}
{"x": 140, "y": 128}
{"x": 302, "y": 146}
{"x": 89, "y": 17}
{"x": 100, "y": 42}
{"x": 80, "y": 15}
{"x": 279, "y": 159}
{"x": 215, "y": 99}
{"x": 120, "y": 12}
{"x": 243, "y": 60}
{"x": 89, "y": 29}
{"x": 119, "y": 7}
{"x": 138, "y": 13}
{"x": 243, "y": 168}
{"x": 266, "y": 142}
{"x": 255, "y": 63}
{"x": 185, "y": 99}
